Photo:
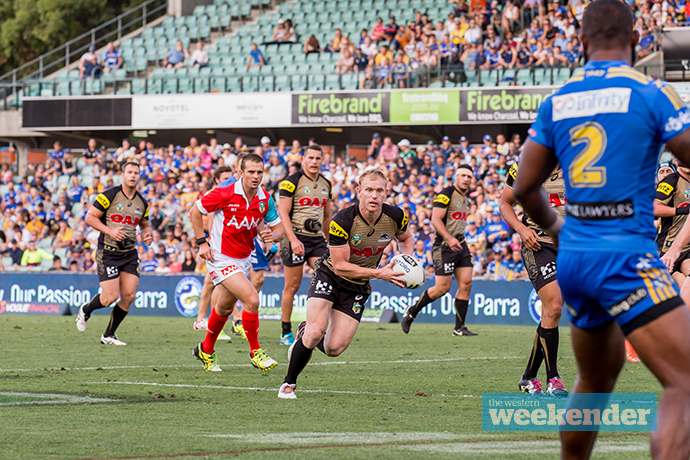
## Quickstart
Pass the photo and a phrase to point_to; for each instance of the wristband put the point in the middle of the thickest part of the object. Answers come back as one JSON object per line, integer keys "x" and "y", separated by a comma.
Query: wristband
{"x": 683, "y": 211}
{"x": 200, "y": 241}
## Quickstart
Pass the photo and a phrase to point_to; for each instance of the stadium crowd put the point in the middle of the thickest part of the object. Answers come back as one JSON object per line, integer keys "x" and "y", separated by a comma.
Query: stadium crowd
{"x": 43, "y": 213}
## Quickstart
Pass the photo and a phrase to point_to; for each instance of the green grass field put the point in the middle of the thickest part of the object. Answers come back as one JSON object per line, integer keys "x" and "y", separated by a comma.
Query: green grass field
{"x": 63, "y": 395}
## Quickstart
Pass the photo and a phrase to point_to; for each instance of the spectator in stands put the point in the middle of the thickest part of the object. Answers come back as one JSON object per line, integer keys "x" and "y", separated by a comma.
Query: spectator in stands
{"x": 88, "y": 64}
{"x": 199, "y": 56}
{"x": 112, "y": 59}
{"x": 292, "y": 34}
{"x": 369, "y": 48}
{"x": 57, "y": 265}
{"x": 400, "y": 75}
{"x": 506, "y": 58}
{"x": 374, "y": 146}
{"x": 312, "y": 45}
{"x": 646, "y": 43}
{"x": 68, "y": 166}
{"x": 388, "y": 151}
{"x": 346, "y": 62}
{"x": 90, "y": 153}
{"x": 361, "y": 61}
{"x": 256, "y": 58}
{"x": 368, "y": 81}
{"x": 32, "y": 256}
{"x": 176, "y": 56}
{"x": 189, "y": 264}
{"x": 14, "y": 251}
{"x": 280, "y": 33}
{"x": 334, "y": 45}
{"x": 473, "y": 34}
{"x": 377, "y": 32}
{"x": 390, "y": 31}
{"x": 523, "y": 56}
{"x": 276, "y": 173}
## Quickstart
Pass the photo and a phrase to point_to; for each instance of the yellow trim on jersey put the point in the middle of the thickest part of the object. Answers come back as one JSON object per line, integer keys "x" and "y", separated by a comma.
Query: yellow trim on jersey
{"x": 146, "y": 214}
{"x": 443, "y": 199}
{"x": 658, "y": 284}
{"x": 512, "y": 172}
{"x": 336, "y": 230}
{"x": 577, "y": 76}
{"x": 404, "y": 221}
{"x": 665, "y": 188}
{"x": 625, "y": 72}
{"x": 103, "y": 201}
{"x": 673, "y": 96}
{"x": 287, "y": 186}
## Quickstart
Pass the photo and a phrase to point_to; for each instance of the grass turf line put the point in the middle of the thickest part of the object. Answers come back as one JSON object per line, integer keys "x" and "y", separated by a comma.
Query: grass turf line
{"x": 159, "y": 421}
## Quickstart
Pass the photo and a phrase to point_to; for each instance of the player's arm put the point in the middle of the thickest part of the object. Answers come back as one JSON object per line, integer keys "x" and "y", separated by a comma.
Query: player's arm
{"x": 437, "y": 216}
{"x": 664, "y": 195}
{"x": 275, "y": 232}
{"x": 407, "y": 243}
{"x": 327, "y": 214}
{"x": 286, "y": 190}
{"x": 145, "y": 226}
{"x": 340, "y": 257}
{"x": 405, "y": 240}
{"x": 209, "y": 203}
{"x": 528, "y": 236}
{"x": 93, "y": 218}
{"x": 537, "y": 162}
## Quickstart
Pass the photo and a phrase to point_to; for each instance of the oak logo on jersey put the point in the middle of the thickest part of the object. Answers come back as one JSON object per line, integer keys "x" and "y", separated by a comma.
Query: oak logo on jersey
{"x": 127, "y": 220}
{"x": 103, "y": 201}
{"x": 287, "y": 186}
{"x": 665, "y": 188}
{"x": 366, "y": 252}
{"x": 307, "y": 201}
{"x": 336, "y": 230}
{"x": 459, "y": 215}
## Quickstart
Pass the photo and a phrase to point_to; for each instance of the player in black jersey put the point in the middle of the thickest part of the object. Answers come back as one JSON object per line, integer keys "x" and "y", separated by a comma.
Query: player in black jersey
{"x": 340, "y": 287}
{"x": 116, "y": 213}
{"x": 450, "y": 252}
{"x": 305, "y": 202}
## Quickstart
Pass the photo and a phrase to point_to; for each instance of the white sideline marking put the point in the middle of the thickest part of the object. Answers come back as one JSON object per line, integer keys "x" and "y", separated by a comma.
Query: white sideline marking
{"x": 346, "y": 438}
{"x": 54, "y": 398}
{"x": 523, "y": 447}
{"x": 224, "y": 387}
{"x": 326, "y": 363}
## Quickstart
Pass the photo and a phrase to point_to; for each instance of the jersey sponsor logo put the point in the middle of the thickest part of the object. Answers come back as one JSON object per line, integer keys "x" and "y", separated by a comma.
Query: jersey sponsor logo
{"x": 112, "y": 271}
{"x": 366, "y": 252}
{"x": 442, "y": 199}
{"x": 188, "y": 296}
{"x": 287, "y": 186}
{"x": 601, "y": 211}
{"x": 627, "y": 303}
{"x": 555, "y": 200}
{"x": 665, "y": 188}
{"x": 323, "y": 288}
{"x": 458, "y": 215}
{"x": 336, "y": 230}
{"x": 213, "y": 275}
{"x": 324, "y": 190}
{"x": 385, "y": 237}
{"x": 449, "y": 267}
{"x": 356, "y": 239}
{"x": 127, "y": 219}
{"x": 588, "y": 103}
{"x": 245, "y": 223}
{"x": 307, "y": 201}
{"x": 513, "y": 171}
{"x": 677, "y": 123}
{"x": 548, "y": 271}
{"x": 103, "y": 201}
{"x": 229, "y": 270}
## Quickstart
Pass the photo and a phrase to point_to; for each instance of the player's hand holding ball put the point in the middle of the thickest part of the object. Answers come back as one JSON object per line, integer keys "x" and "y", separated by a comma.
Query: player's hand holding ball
{"x": 411, "y": 270}
{"x": 388, "y": 273}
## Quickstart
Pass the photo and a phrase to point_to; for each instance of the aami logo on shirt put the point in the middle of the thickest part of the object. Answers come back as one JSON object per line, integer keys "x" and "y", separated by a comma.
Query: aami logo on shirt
{"x": 245, "y": 223}
{"x": 588, "y": 103}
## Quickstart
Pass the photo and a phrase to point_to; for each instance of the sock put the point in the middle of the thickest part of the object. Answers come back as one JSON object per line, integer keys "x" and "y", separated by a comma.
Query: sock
{"x": 116, "y": 317}
{"x": 250, "y": 321}
{"x": 535, "y": 358}
{"x": 95, "y": 304}
{"x": 215, "y": 327}
{"x": 423, "y": 301}
{"x": 460, "y": 312}
{"x": 320, "y": 345}
{"x": 287, "y": 327}
{"x": 549, "y": 343}
{"x": 298, "y": 361}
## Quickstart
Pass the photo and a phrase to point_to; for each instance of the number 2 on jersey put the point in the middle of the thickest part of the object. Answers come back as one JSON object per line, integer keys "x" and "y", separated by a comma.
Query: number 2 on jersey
{"x": 583, "y": 173}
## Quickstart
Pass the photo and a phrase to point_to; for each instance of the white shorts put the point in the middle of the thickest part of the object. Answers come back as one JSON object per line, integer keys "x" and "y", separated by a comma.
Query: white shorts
{"x": 223, "y": 267}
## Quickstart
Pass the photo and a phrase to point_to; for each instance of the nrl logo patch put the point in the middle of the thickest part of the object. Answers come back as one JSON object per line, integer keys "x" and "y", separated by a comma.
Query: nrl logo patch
{"x": 262, "y": 206}
{"x": 356, "y": 239}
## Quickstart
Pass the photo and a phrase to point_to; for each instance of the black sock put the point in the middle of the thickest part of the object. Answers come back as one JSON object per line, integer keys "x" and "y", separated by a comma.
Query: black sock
{"x": 116, "y": 317}
{"x": 298, "y": 361}
{"x": 549, "y": 343}
{"x": 287, "y": 327}
{"x": 423, "y": 301}
{"x": 320, "y": 345}
{"x": 460, "y": 312}
{"x": 95, "y": 304}
{"x": 535, "y": 358}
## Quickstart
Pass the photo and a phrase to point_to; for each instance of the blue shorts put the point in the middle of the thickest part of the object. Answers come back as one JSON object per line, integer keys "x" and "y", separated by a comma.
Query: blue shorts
{"x": 258, "y": 258}
{"x": 632, "y": 289}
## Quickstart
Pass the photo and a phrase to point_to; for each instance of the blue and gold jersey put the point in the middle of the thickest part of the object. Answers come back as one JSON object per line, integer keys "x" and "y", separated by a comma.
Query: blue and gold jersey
{"x": 606, "y": 126}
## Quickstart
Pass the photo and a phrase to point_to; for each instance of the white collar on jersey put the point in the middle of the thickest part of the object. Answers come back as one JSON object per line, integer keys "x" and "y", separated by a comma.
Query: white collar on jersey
{"x": 239, "y": 190}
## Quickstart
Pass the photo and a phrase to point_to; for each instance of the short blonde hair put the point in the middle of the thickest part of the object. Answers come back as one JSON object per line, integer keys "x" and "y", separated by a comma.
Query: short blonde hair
{"x": 374, "y": 174}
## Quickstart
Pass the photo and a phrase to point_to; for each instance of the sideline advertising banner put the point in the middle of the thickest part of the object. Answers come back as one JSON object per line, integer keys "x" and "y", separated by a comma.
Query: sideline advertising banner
{"x": 418, "y": 107}
{"x": 324, "y": 108}
{"x": 506, "y": 105}
{"x": 491, "y": 302}
{"x": 204, "y": 111}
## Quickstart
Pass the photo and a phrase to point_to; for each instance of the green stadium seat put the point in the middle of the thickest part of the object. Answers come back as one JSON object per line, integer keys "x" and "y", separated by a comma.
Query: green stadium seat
{"x": 266, "y": 84}
{"x": 199, "y": 10}
{"x": 76, "y": 88}
{"x": 139, "y": 86}
{"x": 218, "y": 84}
{"x": 154, "y": 86}
{"x": 201, "y": 85}
{"x": 234, "y": 84}
{"x": 282, "y": 83}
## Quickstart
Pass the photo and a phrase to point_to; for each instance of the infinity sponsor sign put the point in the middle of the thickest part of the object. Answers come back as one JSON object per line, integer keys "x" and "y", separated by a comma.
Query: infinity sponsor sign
{"x": 571, "y": 412}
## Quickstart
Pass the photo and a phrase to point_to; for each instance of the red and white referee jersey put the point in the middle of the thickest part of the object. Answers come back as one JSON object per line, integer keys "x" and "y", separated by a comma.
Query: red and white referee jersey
{"x": 235, "y": 220}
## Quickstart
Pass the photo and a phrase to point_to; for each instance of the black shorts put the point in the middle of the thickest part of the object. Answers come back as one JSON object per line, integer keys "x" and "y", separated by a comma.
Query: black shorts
{"x": 347, "y": 297}
{"x": 681, "y": 258}
{"x": 109, "y": 264}
{"x": 540, "y": 265}
{"x": 446, "y": 260}
{"x": 314, "y": 246}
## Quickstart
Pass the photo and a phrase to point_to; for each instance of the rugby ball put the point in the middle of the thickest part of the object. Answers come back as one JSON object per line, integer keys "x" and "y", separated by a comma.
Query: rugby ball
{"x": 412, "y": 270}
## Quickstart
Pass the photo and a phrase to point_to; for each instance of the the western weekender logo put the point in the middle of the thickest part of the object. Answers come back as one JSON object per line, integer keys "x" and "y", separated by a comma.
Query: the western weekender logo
{"x": 425, "y": 106}
{"x": 573, "y": 412}
{"x": 588, "y": 103}
{"x": 363, "y": 108}
{"x": 514, "y": 105}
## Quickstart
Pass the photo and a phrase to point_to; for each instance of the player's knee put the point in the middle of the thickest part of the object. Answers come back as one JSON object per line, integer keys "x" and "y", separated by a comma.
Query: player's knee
{"x": 128, "y": 298}
{"x": 465, "y": 285}
{"x": 291, "y": 287}
{"x": 312, "y": 336}
{"x": 252, "y": 303}
{"x": 335, "y": 351}
{"x": 551, "y": 311}
{"x": 109, "y": 298}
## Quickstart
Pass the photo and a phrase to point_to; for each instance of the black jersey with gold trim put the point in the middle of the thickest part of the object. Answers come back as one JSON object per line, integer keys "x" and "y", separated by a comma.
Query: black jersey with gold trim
{"x": 121, "y": 212}
{"x": 457, "y": 207}
{"x": 673, "y": 191}
{"x": 367, "y": 241}
{"x": 308, "y": 200}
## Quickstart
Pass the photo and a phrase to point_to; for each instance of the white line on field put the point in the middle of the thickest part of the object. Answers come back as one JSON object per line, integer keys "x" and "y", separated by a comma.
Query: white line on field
{"x": 326, "y": 363}
{"x": 225, "y": 387}
{"x": 522, "y": 447}
{"x": 49, "y": 398}
{"x": 348, "y": 437}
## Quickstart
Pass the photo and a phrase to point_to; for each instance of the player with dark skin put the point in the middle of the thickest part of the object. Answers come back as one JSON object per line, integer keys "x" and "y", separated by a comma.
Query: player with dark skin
{"x": 661, "y": 344}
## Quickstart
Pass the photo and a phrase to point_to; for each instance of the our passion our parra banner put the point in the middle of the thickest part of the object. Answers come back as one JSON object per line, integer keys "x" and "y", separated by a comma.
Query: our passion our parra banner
{"x": 503, "y": 105}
